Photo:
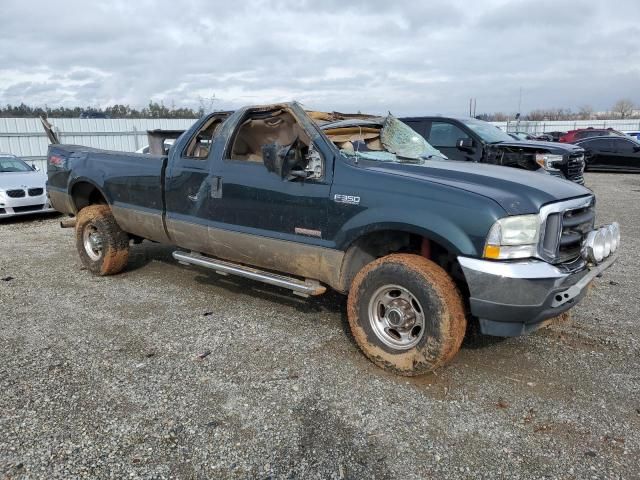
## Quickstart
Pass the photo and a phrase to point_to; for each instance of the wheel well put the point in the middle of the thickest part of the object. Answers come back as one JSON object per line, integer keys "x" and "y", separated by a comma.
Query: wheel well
{"x": 378, "y": 244}
{"x": 84, "y": 194}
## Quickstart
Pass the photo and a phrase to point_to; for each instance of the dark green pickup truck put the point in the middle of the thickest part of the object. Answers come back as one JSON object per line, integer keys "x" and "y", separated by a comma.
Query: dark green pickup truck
{"x": 362, "y": 205}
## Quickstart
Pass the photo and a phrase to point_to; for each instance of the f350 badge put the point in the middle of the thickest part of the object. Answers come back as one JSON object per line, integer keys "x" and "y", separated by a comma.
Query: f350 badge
{"x": 349, "y": 199}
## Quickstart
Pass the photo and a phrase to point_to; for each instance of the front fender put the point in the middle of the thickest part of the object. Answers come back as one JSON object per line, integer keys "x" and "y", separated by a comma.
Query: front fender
{"x": 435, "y": 226}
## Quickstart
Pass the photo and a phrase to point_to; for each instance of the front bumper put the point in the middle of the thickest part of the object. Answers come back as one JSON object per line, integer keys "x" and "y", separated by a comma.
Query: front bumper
{"x": 514, "y": 298}
{"x": 11, "y": 207}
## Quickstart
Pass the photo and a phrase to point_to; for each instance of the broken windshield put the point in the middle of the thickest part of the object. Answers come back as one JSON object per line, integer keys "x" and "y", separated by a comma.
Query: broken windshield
{"x": 385, "y": 140}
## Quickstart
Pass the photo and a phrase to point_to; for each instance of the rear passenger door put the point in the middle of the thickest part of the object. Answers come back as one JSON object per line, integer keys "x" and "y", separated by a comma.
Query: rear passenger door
{"x": 626, "y": 155}
{"x": 188, "y": 186}
{"x": 599, "y": 153}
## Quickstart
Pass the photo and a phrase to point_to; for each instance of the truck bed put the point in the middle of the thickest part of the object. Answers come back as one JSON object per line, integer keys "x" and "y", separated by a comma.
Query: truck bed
{"x": 125, "y": 180}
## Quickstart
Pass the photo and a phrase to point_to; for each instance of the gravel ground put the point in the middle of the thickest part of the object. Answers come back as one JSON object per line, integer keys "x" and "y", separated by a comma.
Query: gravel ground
{"x": 100, "y": 377}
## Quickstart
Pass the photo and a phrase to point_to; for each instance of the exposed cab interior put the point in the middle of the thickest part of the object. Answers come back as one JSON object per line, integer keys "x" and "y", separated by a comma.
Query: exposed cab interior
{"x": 200, "y": 145}
{"x": 275, "y": 138}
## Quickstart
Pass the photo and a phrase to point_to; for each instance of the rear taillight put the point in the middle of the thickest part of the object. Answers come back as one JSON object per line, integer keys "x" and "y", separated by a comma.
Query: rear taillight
{"x": 56, "y": 160}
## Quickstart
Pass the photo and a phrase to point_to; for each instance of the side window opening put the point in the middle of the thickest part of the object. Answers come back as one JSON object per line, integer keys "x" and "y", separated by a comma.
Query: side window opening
{"x": 624, "y": 146}
{"x": 200, "y": 144}
{"x": 445, "y": 135}
{"x": 277, "y": 130}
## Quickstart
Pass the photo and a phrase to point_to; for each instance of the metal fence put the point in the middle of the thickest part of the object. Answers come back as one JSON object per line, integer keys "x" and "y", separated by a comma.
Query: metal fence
{"x": 25, "y": 137}
{"x": 542, "y": 126}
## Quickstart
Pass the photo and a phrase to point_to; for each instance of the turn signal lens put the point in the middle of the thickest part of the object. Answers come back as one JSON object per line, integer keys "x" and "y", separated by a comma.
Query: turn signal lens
{"x": 492, "y": 252}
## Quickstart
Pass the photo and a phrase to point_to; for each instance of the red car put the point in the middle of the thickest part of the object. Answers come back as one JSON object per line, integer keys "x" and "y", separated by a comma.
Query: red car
{"x": 580, "y": 134}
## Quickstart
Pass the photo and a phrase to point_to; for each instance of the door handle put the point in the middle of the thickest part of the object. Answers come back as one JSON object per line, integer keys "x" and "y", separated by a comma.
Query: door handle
{"x": 216, "y": 187}
{"x": 193, "y": 198}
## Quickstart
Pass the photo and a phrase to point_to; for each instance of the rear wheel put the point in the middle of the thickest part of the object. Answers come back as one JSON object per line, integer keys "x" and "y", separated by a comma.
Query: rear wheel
{"x": 406, "y": 314}
{"x": 102, "y": 245}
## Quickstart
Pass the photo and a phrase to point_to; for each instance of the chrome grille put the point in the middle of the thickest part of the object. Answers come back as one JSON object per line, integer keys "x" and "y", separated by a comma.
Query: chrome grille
{"x": 565, "y": 226}
{"x": 575, "y": 226}
{"x": 16, "y": 193}
{"x": 575, "y": 168}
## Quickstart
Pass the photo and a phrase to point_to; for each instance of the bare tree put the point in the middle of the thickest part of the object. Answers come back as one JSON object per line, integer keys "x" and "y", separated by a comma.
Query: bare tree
{"x": 536, "y": 115}
{"x": 585, "y": 112}
{"x": 623, "y": 107}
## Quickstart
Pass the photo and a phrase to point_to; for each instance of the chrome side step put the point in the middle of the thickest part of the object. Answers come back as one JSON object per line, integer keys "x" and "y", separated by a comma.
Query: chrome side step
{"x": 299, "y": 287}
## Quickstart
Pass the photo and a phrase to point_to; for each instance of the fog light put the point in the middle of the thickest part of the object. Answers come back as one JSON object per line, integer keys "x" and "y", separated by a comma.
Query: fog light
{"x": 598, "y": 246}
{"x": 615, "y": 236}
{"x": 608, "y": 240}
{"x": 594, "y": 246}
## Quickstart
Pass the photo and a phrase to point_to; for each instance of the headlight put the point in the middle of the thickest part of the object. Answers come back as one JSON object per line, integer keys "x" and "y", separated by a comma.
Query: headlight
{"x": 513, "y": 237}
{"x": 549, "y": 162}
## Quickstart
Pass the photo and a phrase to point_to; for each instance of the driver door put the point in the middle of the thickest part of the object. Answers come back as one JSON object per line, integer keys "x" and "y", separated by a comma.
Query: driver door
{"x": 256, "y": 201}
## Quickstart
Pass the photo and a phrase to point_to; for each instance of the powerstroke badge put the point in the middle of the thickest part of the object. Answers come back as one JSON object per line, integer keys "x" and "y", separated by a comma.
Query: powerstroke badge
{"x": 349, "y": 199}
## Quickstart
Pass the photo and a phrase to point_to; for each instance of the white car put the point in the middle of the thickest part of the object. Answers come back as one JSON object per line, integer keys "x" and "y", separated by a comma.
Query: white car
{"x": 634, "y": 134}
{"x": 22, "y": 188}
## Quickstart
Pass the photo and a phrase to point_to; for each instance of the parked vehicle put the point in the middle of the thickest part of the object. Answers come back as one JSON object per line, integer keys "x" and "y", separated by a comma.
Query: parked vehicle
{"x": 554, "y": 136}
{"x": 167, "y": 144}
{"x": 22, "y": 188}
{"x": 614, "y": 154}
{"x": 356, "y": 205}
{"x": 477, "y": 141}
{"x": 544, "y": 137}
{"x": 573, "y": 136}
{"x": 522, "y": 136}
{"x": 633, "y": 134}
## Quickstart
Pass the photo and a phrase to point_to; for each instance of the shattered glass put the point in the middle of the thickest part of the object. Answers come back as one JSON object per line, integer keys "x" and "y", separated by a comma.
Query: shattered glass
{"x": 401, "y": 140}
{"x": 371, "y": 155}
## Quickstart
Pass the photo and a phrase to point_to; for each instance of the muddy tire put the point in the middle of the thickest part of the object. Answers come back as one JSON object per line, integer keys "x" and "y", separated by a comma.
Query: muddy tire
{"x": 102, "y": 245}
{"x": 406, "y": 314}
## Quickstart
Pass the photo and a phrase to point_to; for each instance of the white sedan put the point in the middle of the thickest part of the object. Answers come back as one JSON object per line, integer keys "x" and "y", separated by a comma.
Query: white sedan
{"x": 22, "y": 188}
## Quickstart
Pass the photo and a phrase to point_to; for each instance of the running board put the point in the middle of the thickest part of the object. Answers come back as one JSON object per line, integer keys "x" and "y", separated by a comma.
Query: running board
{"x": 299, "y": 287}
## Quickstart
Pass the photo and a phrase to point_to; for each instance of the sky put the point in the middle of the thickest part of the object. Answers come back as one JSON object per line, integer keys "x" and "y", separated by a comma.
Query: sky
{"x": 407, "y": 57}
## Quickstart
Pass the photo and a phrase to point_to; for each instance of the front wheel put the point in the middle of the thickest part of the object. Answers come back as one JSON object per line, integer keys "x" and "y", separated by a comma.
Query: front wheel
{"x": 102, "y": 245}
{"x": 406, "y": 314}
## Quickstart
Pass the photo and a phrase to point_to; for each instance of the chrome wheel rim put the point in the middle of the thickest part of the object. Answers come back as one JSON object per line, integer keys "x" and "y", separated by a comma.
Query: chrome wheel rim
{"x": 396, "y": 317}
{"x": 92, "y": 242}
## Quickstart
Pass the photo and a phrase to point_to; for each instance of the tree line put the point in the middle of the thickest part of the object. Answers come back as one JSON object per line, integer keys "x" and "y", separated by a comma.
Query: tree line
{"x": 622, "y": 109}
{"x": 153, "y": 110}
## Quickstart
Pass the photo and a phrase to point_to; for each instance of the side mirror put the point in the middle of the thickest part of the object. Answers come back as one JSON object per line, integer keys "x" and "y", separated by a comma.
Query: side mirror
{"x": 465, "y": 144}
{"x": 280, "y": 159}
{"x": 35, "y": 167}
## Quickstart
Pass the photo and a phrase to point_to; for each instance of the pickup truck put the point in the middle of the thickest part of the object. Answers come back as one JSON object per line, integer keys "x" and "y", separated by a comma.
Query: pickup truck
{"x": 307, "y": 202}
{"x": 477, "y": 141}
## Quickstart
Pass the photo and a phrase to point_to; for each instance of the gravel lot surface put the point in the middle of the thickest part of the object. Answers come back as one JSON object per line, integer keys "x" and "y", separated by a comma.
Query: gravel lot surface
{"x": 101, "y": 377}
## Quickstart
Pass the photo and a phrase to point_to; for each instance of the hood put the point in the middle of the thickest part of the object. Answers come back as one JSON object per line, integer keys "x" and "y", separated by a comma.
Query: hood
{"x": 517, "y": 191}
{"x": 21, "y": 180}
{"x": 551, "y": 147}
